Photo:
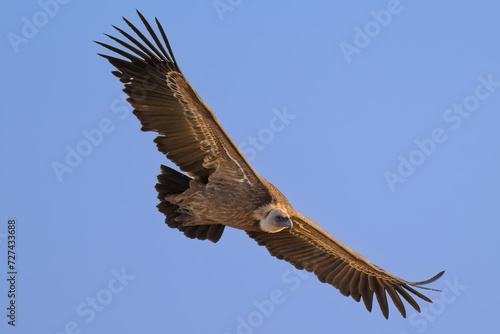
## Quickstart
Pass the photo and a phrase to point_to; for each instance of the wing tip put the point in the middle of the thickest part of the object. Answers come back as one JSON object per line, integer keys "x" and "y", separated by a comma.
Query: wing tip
{"x": 428, "y": 281}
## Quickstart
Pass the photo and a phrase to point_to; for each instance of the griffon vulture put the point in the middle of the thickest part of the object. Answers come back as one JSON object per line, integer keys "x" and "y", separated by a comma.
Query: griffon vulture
{"x": 223, "y": 189}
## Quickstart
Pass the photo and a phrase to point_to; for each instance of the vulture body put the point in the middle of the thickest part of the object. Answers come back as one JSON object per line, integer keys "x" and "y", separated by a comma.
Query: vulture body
{"x": 223, "y": 189}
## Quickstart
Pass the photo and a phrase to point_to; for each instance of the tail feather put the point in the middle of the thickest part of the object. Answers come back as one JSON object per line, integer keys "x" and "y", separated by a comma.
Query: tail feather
{"x": 171, "y": 182}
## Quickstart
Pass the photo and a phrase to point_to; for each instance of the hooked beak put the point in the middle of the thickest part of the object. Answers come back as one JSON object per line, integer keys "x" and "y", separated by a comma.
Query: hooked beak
{"x": 287, "y": 223}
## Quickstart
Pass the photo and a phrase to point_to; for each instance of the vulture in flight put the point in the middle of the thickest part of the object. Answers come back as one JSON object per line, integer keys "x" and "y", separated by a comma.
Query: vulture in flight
{"x": 223, "y": 189}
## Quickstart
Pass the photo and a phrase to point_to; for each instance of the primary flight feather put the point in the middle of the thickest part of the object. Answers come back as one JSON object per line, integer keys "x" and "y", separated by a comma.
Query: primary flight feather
{"x": 223, "y": 189}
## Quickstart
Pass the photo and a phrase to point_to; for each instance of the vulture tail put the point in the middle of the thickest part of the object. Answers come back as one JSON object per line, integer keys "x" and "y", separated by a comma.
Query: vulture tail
{"x": 172, "y": 182}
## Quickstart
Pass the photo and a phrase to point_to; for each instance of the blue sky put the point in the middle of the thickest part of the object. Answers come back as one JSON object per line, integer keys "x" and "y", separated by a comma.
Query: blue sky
{"x": 389, "y": 141}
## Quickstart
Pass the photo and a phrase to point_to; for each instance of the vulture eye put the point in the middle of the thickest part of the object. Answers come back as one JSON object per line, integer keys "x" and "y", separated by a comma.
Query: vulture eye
{"x": 280, "y": 219}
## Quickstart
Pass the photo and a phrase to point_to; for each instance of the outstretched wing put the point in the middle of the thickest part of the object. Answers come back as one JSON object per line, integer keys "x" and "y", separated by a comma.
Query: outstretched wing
{"x": 308, "y": 246}
{"x": 163, "y": 100}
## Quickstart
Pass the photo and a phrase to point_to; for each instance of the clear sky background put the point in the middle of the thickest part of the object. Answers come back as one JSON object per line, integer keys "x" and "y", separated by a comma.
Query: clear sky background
{"x": 391, "y": 144}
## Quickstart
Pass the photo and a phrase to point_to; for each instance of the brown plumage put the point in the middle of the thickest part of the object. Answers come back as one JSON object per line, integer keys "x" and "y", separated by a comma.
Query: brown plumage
{"x": 223, "y": 189}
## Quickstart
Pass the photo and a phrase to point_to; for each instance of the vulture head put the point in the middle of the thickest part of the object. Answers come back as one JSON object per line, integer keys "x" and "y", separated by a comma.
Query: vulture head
{"x": 275, "y": 221}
